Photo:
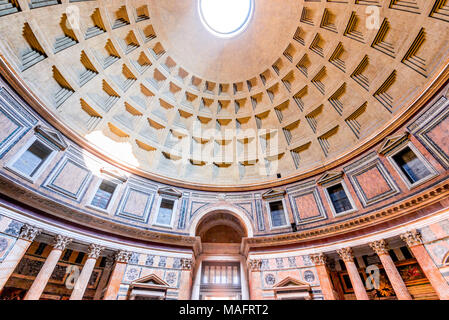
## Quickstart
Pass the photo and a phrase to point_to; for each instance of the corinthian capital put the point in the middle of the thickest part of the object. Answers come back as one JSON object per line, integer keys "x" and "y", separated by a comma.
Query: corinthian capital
{"x": 123, "y": 256}
{"x": 186, "y": 264}
{"x": 60, "y": 242}
{"x": 94, "y": 251}
{"x": 346, "y": 254}
{"x": 412, "y": 238}
{"x": 254, "y": 264}
{"x": 29, "y": 232}
{"x": 379, "y": 247}
{"x": 318, "y": 259}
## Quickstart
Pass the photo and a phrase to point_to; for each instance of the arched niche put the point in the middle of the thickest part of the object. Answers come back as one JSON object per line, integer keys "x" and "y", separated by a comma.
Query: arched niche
{"x": 228, "y": 214}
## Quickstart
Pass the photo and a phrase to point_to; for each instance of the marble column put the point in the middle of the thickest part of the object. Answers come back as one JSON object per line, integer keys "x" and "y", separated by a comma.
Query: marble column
{"x": 185, "y": 288}
{"x": 347, "y": 256}
{"x": 414, "y": 241}
{"x": 104, "y": 277}
{"x": 26, "y": 237}
{"x": 83, "y": 279}
{"x": 320, "y": 261}
{"x": 254, "y": 279}
{"x": 38, "y": 286}
{"x": 121, "y": 261}
{"x": 381, "y": 249}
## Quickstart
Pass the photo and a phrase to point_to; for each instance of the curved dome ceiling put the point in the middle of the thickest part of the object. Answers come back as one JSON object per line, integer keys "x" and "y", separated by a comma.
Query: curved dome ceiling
{"x": 303, "y": 86}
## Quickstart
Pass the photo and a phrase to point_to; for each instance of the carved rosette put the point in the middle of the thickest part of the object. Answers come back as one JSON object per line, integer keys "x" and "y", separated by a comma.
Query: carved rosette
{"x": 412, "y": 238}
{"x": 29, "y": 232}
{"x": 254, "y": 264}
{"x": 94, "y": 251}
{"x": 123, "y": 256}
{"x": 346, "y": 254}
{"x": 186, "y": 264}
{"x": 61, "y": 242}
{"x": 319, "y": 259}
{"x": 379, "y": 247}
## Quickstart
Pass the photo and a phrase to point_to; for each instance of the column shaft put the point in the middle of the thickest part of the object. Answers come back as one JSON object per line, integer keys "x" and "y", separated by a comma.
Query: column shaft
{"x": 431, "y": 271}
{"x": 357, "y": 284}
{"x": 83, "y": 280}
{"x": 114, "y": 281}
{"x": 12, "y": 260}
{"x": 325, "y": 282}
{"x": 185, "y": 287}
{"x": 38, "y": 286}
{"x": 395, "y": 278}
{"x": 414, "y": 241}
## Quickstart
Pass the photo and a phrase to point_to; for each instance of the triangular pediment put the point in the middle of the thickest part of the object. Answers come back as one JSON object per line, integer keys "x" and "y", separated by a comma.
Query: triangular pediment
{"x": 169, "y": 192}
{"x": 151, "y": 279}
{"x": 273, "y": 193}
{"x": 52, "y": 136}
{"x": 290, "y": 282}
{"x": 392, "y": 142}
{"x": 330, "y": 176}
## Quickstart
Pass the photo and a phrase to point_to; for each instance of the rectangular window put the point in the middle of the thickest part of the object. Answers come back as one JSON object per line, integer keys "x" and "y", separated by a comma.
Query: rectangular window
{"x": 32, "y": 159}
{"x": 410, "y": 165}
{"x": 104, "y": 194}
{"x": 165, "y": 213}
{"x": 277, "y": 214}
{"x": 339, "y": 199}
{"x": 79, "y": 257}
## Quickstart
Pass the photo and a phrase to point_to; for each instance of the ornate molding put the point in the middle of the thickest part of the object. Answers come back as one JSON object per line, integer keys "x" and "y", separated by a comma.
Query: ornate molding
{"x": 412, "y": 238}
{"x": 29, "y": 232}
{"x": 186, "y": 264}
{"x": 254, "y": 264}
{"x": 379, "y": 246}
{"x": 122, "y": 256}
{"x": 416, "y": 202}
{"x": 319, "y": 259}
{"x": 94, "y": 251}
{"x": 346, "y": 254}
{"x": 61, "y": 242}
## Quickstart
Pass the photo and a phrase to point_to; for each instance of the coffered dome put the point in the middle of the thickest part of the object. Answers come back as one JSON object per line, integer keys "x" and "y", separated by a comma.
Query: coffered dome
{"x": 303, "y": 87}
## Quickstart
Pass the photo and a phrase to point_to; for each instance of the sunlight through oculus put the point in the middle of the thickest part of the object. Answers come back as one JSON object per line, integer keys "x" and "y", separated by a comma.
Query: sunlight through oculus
{"x": 226, "y": 18}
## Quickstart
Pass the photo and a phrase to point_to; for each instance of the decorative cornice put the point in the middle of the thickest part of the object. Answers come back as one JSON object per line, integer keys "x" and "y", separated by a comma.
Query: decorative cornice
{"x": 186, "y": 264}
{"x": 29, "y": 233}
{"x": 53, "y": 136}
{"x": 412, "y": 238}
{"x": 329, "y": 177}
{"x": 398, "y": 209}
{"x": 123, "y": 256}
{"x": 169, "y": 192}
{"x": 273, "y": 194}
{"x": 346, "y": 254}
{"x": 380, "y": 246}
{"x": 94, "y": 251}
{"x": 254, "y": 264}
{"x": 393, "y": 142}
{"x": 318, "y": 259}
{"x": 61, "y": 242}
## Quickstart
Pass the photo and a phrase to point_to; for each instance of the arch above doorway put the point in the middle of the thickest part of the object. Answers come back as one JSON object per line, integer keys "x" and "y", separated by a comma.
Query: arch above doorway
{"x": 221, "y": 209}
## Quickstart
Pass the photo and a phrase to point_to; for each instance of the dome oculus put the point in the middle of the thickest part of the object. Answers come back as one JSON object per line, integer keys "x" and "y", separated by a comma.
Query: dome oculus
{"x": 225, "y": 18}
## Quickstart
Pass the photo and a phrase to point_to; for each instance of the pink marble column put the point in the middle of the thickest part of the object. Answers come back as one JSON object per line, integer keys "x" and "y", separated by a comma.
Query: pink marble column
{"x": 185, "y": 287}
{"x": 255, "y": 290}
{"x": 414, "y": 241}
{"x": 320, "y": 261}
{"x": 121, "y": 261}
{"x": 381, "y": 249}
{"x": 38, "y": 286}
{"x": 347, "y": 256}
{"x": 104, "y": 278}
{"x": 27, "y": 235}
{"x": 83, "y": 279}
